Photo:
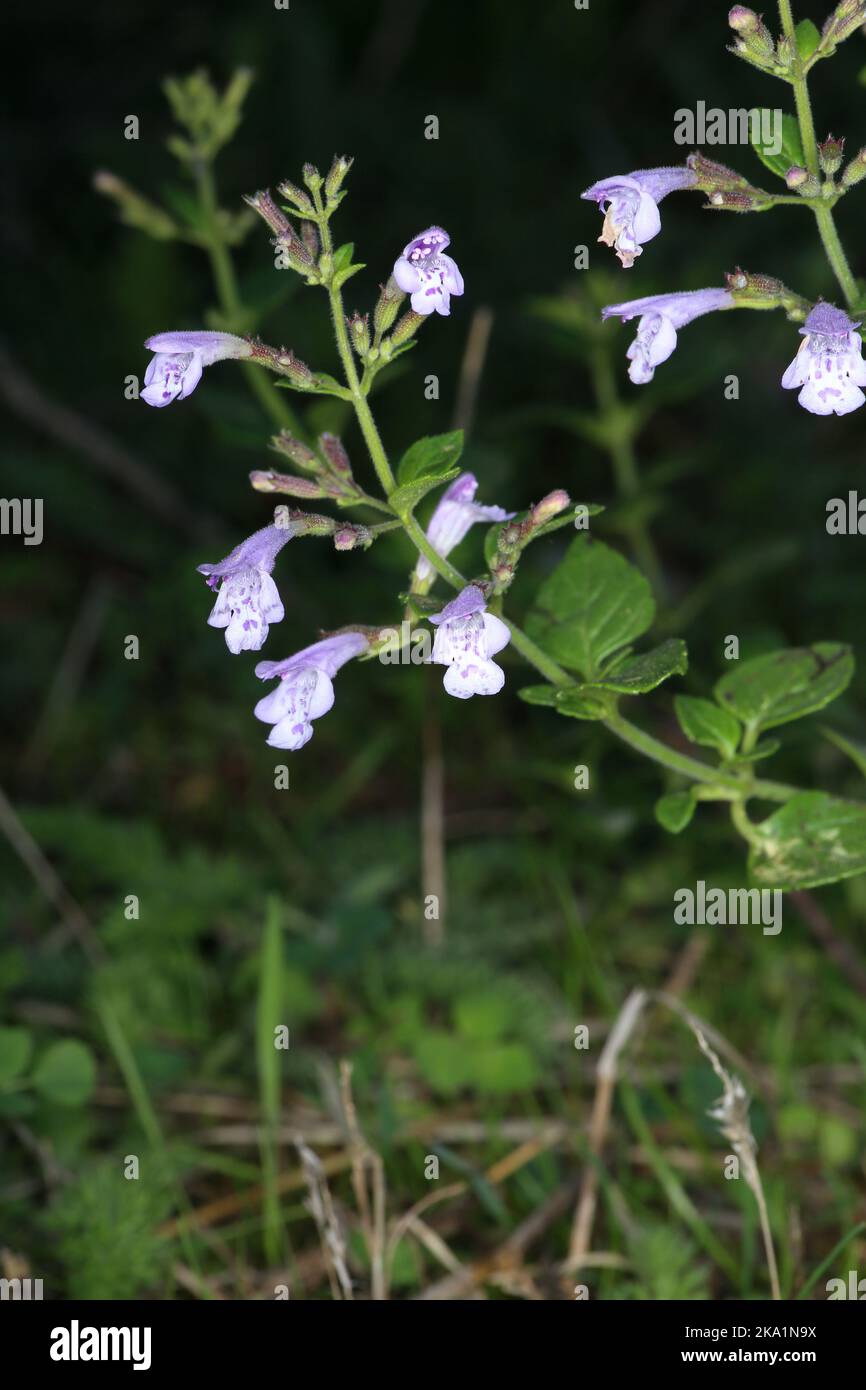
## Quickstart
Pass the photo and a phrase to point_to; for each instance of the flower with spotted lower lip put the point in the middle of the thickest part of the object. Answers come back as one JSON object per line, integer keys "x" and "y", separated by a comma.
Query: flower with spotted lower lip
{"x": 305, "y": 690}
{"x": 829, "y": 365}
{"x": 467, "y": 637}
{"x": 248, "y": 600}
{"x": 175, "y": 371}
{"x": 425, "y": 272}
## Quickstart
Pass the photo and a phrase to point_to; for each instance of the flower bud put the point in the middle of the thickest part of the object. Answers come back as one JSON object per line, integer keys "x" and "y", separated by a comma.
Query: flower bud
{"x": 754, "y": 41}
{"x": 335, "y": 453}
{"x": 359, "y": 332}
{"x": 349, "y": 537}
{"x": 336, "y": 174}
{"x": 264, "y": 205}
{"x": 136, "y": 210}
{"x": 304, "y": 523}
{"x": 799, "y": 180}
{"x": 841, "y": 24}
{"x": 855, "y": 171}
{"x": 295, "y": 195}
{"x": 725, "y": 188}
{"x": 301, "y": 455}
{"x": 265, "y": 480}
{"x": 407, "y": 328}
{"x": 294, "y": 252}
{"x": 312, "y": 178}
{"x": 387, "y": 307}
{"x": 549, "y": 507}
{"x": 310, "y": 238}
{"x": 831, "y": 153}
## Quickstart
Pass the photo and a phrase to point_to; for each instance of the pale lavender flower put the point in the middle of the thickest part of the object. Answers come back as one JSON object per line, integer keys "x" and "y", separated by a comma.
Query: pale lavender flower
{"x": 427, "y": 274}
{"x": 467, "y": 636}
{"x": 660, "y": 317}
{"x": 248, "y": 599}
{"x": 175, "y": 371}
{"x": 455, "y": 513}
{"x": 829, "y": 365}
{"x": 305, "y": 690}
{"x": 630, "y": 205}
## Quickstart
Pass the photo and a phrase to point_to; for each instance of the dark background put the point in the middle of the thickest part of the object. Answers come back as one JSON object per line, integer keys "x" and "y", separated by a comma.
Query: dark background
{"x": 152, "y": 777}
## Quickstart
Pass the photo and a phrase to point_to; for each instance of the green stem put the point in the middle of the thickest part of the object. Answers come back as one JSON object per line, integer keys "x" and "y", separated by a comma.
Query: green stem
{"x": 690, "y": 767}
{"x": 230, "y": 300}
{"x": 836, "y": 254}
{"x": 620, "y": 447}
{"x": 823, "y": 215}
{"x": 371, "y": 434}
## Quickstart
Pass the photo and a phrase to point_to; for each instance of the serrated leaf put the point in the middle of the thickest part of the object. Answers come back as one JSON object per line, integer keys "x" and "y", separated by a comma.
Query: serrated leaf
{"x": 431, "y": 457}
{"x": 808, "y": 36}
{"x": 674, "y": 812}
{"x": 594, "y": 603}
{"x": 785, "y": 685}
{"x": 707, "y": 724}
{"x": 405, "y": 499}
{"x": 643, "y": 673}
{"x": 791, "y": 152}
{"x": 812, "y": 839}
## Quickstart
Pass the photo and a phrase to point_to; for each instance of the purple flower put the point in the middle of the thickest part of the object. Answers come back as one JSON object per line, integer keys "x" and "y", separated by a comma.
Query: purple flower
{"x": 305, "y": 690}
{"x": 176, "y": 370}
{"x": 248, "y": 600}
{"x": 630, "y": 205}
{"x": 455, "y": 513}
{"x": 429, "y": 276}
{"x": 829, "y": 365}
{"x": 466, "y": 638}
{"x": 660, "y": 317}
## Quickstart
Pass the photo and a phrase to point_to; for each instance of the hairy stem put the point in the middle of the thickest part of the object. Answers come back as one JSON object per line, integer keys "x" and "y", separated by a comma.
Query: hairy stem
{"x": 823, "y": 215}
{"x": 230, "y": 301}
{"x": 363, "y": 412}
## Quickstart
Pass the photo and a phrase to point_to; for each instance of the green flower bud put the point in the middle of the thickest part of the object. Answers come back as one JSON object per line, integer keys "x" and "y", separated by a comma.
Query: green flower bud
{"x": 387, "y": 307}
{"x": 855, "y": 171}
{"x": 831, "y": 153}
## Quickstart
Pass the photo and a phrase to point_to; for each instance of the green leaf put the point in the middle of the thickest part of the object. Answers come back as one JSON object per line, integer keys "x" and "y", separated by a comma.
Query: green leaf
{"x": 594, "y": 603}
{"x": 66, "y": 1073}
{"x": 343, "y": 255}
{"x": 675, "y": 811}
{"x": 16, "y": 1046}
{"x": 483, "y": 1016}
{"x": 792, "y": 149}
{"x": 539, "y": 694}
{"x": 708, "y": 724}
{"x": 808, "y": 36}
{"x": 786, "y": 685}
{"x": 765, "y": 749}
{"x": 406, "y": 498}
{"x": 432, "y": 457}
{"x": 812, "y": 839}
{"x": 504, "y": 1068}
{"x": 645, "y": 672}
{"x": 578, "y": 702}
{"x": 341, "y": 276}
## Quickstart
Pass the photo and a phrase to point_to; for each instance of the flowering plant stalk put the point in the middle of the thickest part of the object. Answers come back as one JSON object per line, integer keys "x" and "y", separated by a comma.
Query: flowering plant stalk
{"x": 829, "y": 369}
{"x": 582, "y": 624}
